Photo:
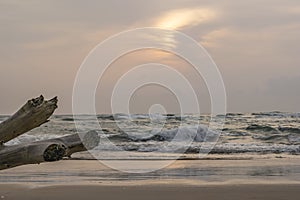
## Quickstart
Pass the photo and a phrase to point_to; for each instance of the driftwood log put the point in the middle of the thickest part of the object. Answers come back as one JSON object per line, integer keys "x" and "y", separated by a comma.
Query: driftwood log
{"x": 33, "y": 114}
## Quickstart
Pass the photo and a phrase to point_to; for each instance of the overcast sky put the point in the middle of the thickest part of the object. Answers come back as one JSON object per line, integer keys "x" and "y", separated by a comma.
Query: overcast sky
{"x": 254, "y": 43}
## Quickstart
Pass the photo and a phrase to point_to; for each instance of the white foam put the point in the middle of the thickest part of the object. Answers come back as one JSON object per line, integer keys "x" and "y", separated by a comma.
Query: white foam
{"x": 26, "y": 138}
{"x": 196, "y": 133}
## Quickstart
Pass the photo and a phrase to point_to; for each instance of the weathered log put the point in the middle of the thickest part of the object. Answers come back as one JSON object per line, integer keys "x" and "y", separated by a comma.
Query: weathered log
{"x": 47, "y": 150}
{"x": 76, "y": 144}
{"x": 33, "y": 114}
{"x": 34, "y": 153}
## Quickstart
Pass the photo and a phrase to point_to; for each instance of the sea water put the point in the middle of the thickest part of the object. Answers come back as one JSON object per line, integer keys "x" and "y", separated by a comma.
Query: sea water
{"x": 163, "y": 135}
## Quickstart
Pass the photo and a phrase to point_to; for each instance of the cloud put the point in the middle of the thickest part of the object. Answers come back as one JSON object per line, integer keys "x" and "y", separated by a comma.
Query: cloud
{"x": 178, "y": 19}
{"x": 251, "y": 41}
{"x": 287, "y": 87}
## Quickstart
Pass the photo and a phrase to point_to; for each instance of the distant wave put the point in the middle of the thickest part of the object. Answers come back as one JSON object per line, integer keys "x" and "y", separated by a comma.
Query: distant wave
{"x": 257, "y": 127}
{"x": 69, "y": 119}
{"x": 141, "y": 116}
{"x": 289, "y": 129}
{"x": 276, "y": 114}
{"x": 271, "y": 137}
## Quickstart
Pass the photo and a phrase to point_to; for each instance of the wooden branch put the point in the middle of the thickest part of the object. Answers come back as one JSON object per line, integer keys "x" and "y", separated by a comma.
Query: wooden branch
{"x": 33, "y": 114}
{"x": 76, "y": 144}
{"x": 47, "y": 150}
{"x": 13, "y": 156}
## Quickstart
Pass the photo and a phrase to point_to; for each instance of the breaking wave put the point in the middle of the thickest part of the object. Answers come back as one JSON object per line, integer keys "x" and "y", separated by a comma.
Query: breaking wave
{"x": 196, "y": 134}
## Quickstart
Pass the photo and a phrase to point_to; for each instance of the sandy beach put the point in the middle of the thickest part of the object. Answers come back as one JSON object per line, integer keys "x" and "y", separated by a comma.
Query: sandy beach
{"x": 257, "y": 177}
{"x": 175, "y": 192}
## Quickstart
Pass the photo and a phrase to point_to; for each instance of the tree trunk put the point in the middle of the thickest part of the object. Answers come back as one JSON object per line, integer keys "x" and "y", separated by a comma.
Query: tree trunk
{"x": 46, "y": 150}
{"x": 33, "y": 114}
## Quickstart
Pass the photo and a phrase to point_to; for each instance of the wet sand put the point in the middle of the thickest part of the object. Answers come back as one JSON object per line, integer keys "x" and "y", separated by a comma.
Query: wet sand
{"x": 260, "y": 177}
{"x": 174, "y": 192}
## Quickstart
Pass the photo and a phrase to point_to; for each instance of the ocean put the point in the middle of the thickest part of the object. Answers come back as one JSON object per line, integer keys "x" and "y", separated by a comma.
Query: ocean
{"x": 140, "y": 136}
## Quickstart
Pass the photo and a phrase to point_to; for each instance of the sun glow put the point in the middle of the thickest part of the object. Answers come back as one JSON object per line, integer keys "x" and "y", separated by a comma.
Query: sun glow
{"x": 177, "y": 19}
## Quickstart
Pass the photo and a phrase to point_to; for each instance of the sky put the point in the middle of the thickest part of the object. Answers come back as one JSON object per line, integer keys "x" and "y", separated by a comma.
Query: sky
{"x": 254, "y": 43}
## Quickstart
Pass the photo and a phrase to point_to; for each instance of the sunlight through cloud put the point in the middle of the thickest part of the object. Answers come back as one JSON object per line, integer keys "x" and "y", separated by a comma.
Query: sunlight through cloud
{"x": 177, "y": 19}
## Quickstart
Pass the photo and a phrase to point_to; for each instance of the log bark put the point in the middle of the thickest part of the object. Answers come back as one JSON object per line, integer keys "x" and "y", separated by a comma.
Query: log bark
{"x": 33, "y": 114}
{"x": 47, "y": 150}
